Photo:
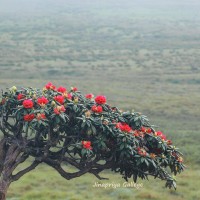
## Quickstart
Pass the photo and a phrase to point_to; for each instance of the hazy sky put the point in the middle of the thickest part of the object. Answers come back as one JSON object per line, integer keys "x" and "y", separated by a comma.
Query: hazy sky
{"x": 10, "y": 6}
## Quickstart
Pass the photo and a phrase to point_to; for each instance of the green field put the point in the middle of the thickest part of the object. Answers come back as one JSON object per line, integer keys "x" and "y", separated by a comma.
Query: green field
{"x": 143, "y": 55}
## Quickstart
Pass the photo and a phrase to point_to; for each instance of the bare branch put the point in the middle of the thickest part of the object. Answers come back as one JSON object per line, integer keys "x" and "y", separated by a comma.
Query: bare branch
{"x": 96, "y": 172}
{"x": 19, "y": 160}
{"x": 24, "y": 171}
{"x": 91, "y": 167}
{"x": 56, "y": 165}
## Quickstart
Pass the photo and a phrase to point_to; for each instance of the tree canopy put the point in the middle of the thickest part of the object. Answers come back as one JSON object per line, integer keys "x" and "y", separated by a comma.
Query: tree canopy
{"x": 63, "y": 127}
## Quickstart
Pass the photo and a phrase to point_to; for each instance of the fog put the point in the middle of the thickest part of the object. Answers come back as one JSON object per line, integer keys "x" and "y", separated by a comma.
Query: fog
{"x": 187, "y": 8}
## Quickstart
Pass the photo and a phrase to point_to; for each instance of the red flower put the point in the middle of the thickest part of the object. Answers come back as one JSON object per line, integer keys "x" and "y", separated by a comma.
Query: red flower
{"x": 161, "y": 135}
{"x": 149, "y": 130}
{"x": 69, "y": 96}
{"x": 42, "y": 101}
{"x": 87, "y": 145}
{"x": 169, "y": 142}
{"x": 28, "y": 103}
{"x": 59, "y": 99}
{"x": 124, "y": 127}
{"x": 62, "y": 89}
{"x": 136, "y": 133}
{"x": 59, "y": 109}
{"x": 56, "y": 111}
{"x": 141, "y": 151}
{"x": 29, "y": 117}
{"x": 100, "y": 99}
{"x": 50, "y": 86}
{"x": 74, "y": 89}
{"x": 20, "y": 96}
{"x": 97, "y": 109}
{"x": 66, "y": 95}
{"x": 143, "y": 129}
{"x": 118, "y": 124}
{"x": 41, "y": 116}
{"x": 89, "y": 96}
{"x": 62, "y": 108}
{"x": 3, "y": 101}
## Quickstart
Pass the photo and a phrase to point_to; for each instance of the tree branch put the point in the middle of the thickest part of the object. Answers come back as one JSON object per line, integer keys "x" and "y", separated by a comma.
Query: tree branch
{"x": 2, "y": 153}
{"x": 19, "y": 160}
{"x": 24, "y": 171}
{"x": 96, "y": 172}
{"x": 92, "y": 167}
{"x": 56, "y": 165}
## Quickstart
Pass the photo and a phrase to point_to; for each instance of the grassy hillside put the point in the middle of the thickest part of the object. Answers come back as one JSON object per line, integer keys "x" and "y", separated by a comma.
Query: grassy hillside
{"x": 44, "y": 183}
{"x": 142, "y": 56}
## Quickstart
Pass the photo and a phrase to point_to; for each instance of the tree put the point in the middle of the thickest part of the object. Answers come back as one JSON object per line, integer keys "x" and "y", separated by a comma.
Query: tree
{"x": 62, "y": 128}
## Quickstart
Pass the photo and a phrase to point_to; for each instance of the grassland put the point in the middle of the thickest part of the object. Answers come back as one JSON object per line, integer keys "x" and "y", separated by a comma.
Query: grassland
{"x": 45, "y": 183}
{"x": 141, "y": 56}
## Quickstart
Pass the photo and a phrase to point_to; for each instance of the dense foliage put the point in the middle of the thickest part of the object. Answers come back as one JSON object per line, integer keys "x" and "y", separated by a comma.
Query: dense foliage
{"x": 57, "y": 126}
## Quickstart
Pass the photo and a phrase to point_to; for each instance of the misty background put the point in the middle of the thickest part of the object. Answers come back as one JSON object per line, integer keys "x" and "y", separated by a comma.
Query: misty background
{"x": 142, "y": 54}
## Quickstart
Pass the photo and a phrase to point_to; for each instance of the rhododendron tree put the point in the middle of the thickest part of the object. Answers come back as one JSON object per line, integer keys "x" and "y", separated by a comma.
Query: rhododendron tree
{"x": 62, "y": 127}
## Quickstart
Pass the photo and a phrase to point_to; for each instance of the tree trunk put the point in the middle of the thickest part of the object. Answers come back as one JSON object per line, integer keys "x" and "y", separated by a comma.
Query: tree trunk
{"x": 4, "y": 184}
{"x": 8, "y": 156}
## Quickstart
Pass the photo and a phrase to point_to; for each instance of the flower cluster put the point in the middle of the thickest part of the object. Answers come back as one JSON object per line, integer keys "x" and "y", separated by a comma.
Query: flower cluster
{"x": 145, "y": 130}
{"x": 87, "y": 145}
{"x": 142, "y": 131}
{"x": 20, "y": 96}
{"x": 97, "y": 109}
{"x": 60, "y": 99}
{"x": 59, "y": 109}
{"x": 62, "y": 89}
{"x": 142, "y": 152}
{"x": 41, "y": 116}
{"x": 89, "y": 96}
{"x": 161, "y": 135}
{"x": 124, "y": 127}
{"x": 28, "y": 103}
{"x": 42, "y": 101}
{"x": 50, "y": 86}
{"x": 100, "y": 100}
{"x": 74, "y": 89}
{"x": 29, "y": 117}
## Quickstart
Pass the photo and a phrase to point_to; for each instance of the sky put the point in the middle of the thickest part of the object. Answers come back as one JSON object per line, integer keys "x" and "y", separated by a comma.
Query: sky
{"x": 17, "y": 6}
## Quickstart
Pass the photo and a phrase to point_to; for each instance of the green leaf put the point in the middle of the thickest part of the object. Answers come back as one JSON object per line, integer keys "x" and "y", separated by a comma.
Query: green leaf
{"x": 122, "y": 145}
{"x": 142, "y": 160}
{"x": 93, "y": 129}
{"x": 57, "y": 119}
{"x": 83, "y": 152}
{"x": 153, "y": 164}
{"x": 138, "y": 162}
{"x": 146, "y": 162}
{"x": 83, "y": 124}
{"x": 62, "y": 117}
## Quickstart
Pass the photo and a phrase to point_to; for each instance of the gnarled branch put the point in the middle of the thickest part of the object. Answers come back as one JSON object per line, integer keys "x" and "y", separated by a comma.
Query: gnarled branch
{"x": 57, "y": 166}
{"x": 24, "y": 171}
